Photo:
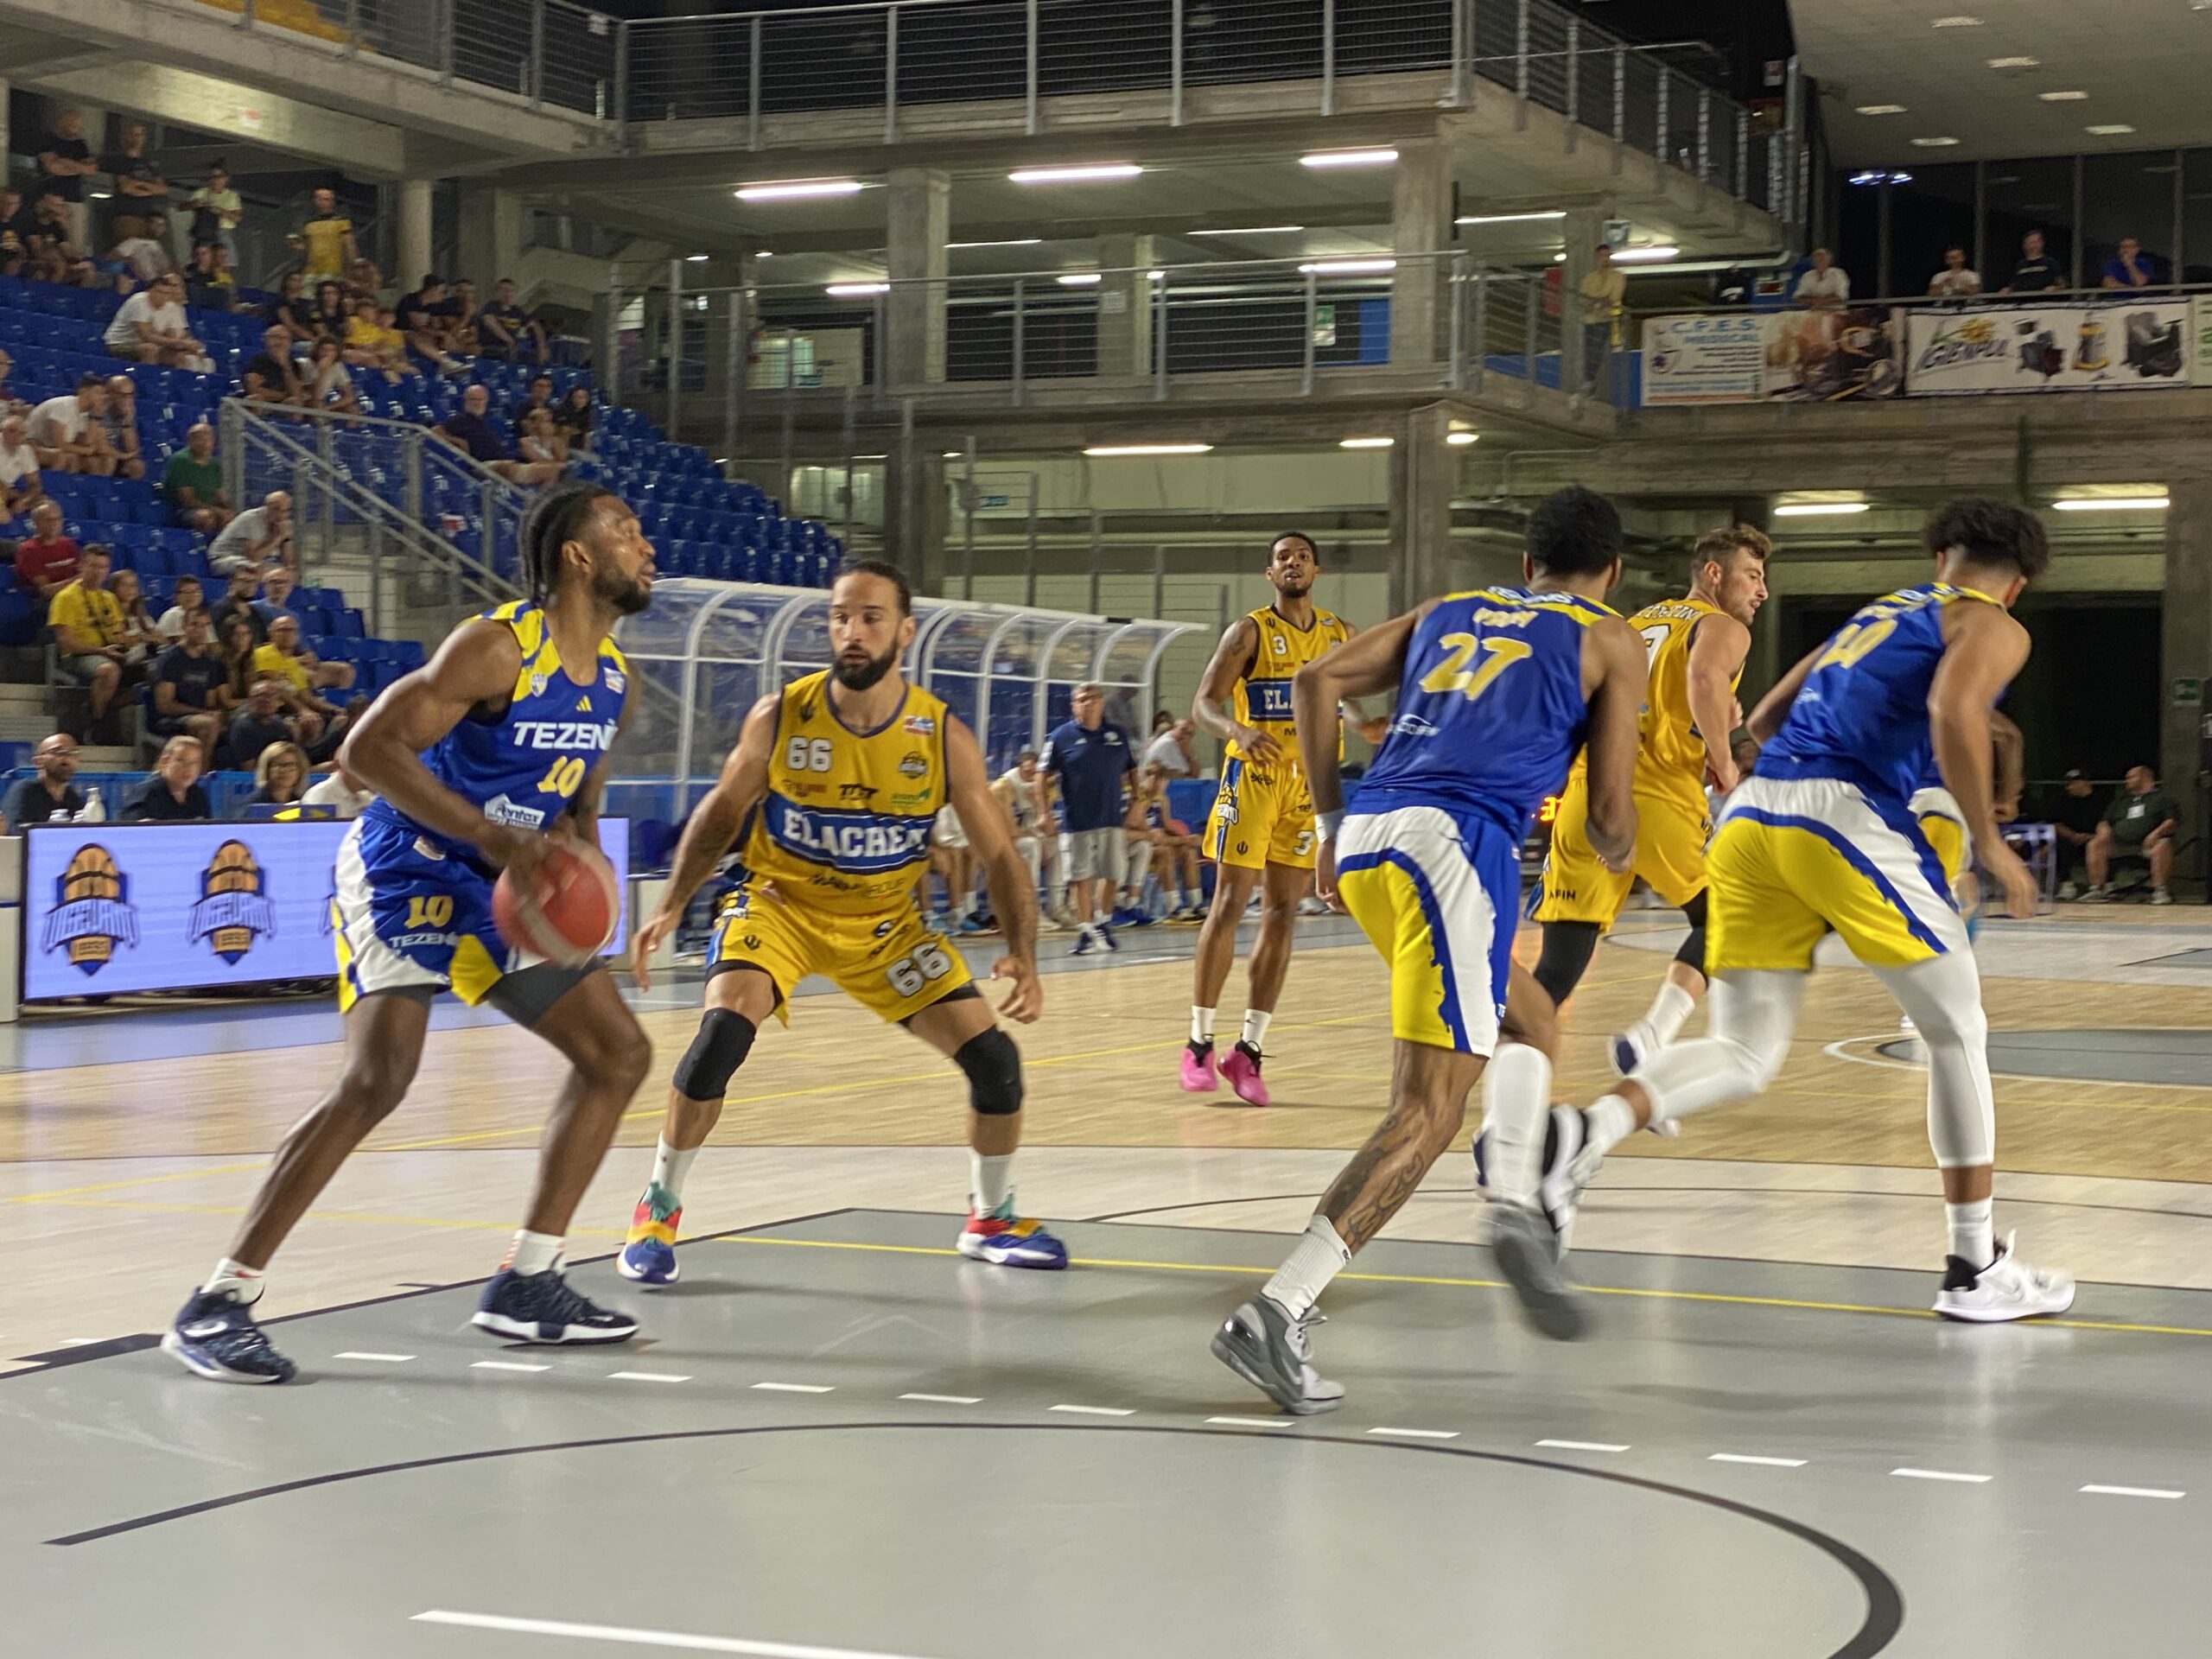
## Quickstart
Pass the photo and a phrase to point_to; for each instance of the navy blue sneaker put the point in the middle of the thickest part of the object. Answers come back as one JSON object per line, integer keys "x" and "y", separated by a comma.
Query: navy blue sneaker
{"x": 540, "y": 1307}
{"x": 1084, "y": 941}
{"x": 1106, "y": 937}
{"x": 215, "y": 1336}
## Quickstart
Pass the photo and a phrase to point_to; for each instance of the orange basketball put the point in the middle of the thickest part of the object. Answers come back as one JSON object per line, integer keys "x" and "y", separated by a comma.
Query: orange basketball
{"x": 565, "y": 911}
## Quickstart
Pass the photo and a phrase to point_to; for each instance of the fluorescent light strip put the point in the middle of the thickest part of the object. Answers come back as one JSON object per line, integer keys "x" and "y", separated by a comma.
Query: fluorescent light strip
{"x": 1510, "y": 219}
{"x": 855, "y": 290}
{"x": 1261, "y": 230}
{"x": 796, "y": 189}
{"x": 1348, "y": 268}
{"x": 1656, "y": 255}
{"x": 1104, "y": 449}
{"x": 697, "y": 259}
{"x": 1365, "y": 443}
{"x": 1934, "y": 143}
{"x": 1079, "y": 173}
{"x": 1349, "y": 158}
{"x": 2062, "y": 97}
{"x": 1010, "y": 242}
{"x": 1815, "y": 509}
{"x": 2109, "y": 128}
{"x": 1881, "y": 109}
{"x": 1461, "y": 440}
{"x": 2114, "y": 504}
{"x": 1077, "y": 279}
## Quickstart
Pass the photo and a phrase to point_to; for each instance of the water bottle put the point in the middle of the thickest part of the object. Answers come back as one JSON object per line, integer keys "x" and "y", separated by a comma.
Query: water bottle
{"x": 95, "y": 809}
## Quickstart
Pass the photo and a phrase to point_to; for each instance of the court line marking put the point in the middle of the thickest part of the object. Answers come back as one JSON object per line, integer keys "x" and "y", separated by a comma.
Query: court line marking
{"x": 645, "y": 1376}
{"x": 1419, "y": 1433}
{"x": 381, "y": 1359}
{"x": 504, "y": 1365}
{"x": 795, "y": 1388}
{"x": 644, "y": 1638}
{"x": 1579, "y": 1446}
{"x": 1941, "y": 1474}
{"x": 1840, "y": 1050}
{"x": 2134, "y": 1491}
{"x": 1763, "y": 1463}
{"x": 945, "y": 1399}
{"x": 1097, "y": 1411}
{"x": 1248, "y": 1422}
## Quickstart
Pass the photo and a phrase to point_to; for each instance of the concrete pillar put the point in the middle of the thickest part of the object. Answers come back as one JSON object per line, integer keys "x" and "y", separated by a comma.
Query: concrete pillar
{"x": 490, "y": 236}
{"x": 1763, "y": 666}
{"x": 917, "y": 513}
{"x": 2186, "y": 653}
{"x": 919, "y": 219}
{"x": 415, "y": 233}
{"x": 1424, "y": 477}
{"x": 1420, "y": 230}
{"x": 1583, "y": 229}
{"x": 1125, "y": 318}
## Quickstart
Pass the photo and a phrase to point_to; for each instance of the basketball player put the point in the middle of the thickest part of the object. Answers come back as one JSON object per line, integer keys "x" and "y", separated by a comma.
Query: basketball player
{"x": 1695, "y": 647}
{"x": 1261, "y": 830}
{"x": 1497, "y": 691}
{"x": 1824, "y": 836}
{"x": 482, "y": 761}
{"x": 835, "y": 783}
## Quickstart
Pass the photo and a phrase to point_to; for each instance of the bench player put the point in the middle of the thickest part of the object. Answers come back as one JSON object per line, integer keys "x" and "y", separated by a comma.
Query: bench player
{"x": 1824, "y": 836}
{"x": 1261, "y": 830}
{"x": 480, "y": 761}
{"x": 1496, "y": 692}
{"x": 834, "y": 785}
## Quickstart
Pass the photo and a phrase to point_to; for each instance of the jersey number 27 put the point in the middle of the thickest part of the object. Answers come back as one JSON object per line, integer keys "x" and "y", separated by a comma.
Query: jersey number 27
{"x": 1453, "y": 674}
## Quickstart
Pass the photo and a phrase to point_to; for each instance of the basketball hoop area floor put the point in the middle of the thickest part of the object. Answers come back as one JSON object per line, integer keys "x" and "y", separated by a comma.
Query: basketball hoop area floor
{"x": 837, "y": 1440}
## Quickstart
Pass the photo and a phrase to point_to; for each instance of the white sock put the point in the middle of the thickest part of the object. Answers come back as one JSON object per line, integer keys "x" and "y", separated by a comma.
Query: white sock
{"x": 244, "y": 1282}
{"x": 1669, "y": 1009}
{"x": 1316, "y": 1257}
{"x": 670, "y": 1167}
{"x": 1257, "y": 1021}
{"x": 1972, "y": 1237}
{"x": 1607, "y": 1124}
{"x": 534, "y": 1253}
{"x": 991, "y": 1181}
{"x": 1201, "y": 1024}
{"x": 1517, "y": 1090}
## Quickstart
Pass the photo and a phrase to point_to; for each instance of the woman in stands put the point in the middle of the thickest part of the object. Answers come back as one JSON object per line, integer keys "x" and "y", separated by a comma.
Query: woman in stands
{"x": 329, "y": 386}
{"x": 573, "y": 417}
{"x": 290, "y": 311}
{"x": 141, "y": 639}
{"x": 237, "y": 646}
{"x": 280, "y": 776}
{"x": 542, "y": 440}
{"x": 330, "y": 315}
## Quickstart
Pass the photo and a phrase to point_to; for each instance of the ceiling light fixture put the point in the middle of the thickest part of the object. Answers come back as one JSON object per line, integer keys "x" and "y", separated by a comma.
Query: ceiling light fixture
{"x": 1657, "y": 254}
{"x": 1077, "y": 279}
{"x": 1010, "y": 242}
{"x": 696, "y": 259}
{"x": 1933, "y": 143}
{"x": 1081, "y": 173}
{"x": 1348, "y": 268}
{"x": 2016, "y": 63}
{"x": 1349, "y": 158}
{"x": 2109, "y": 128}
{"x": 1815, "y": 509}
{"x": 855, "y": 290}
{"x": 2114, "y": 504}
{"x": 1461, "y": 440}
{"x": 1960, "y": 21}
{"x": 1365, "y": 443}
{"x": 1256, "y": 230}
{"x": 1519, "y": 218}
{"x": 2075, "y": 97}
{"x": 1148, "y": 450}
{"x": 796, "y": 189}
{"x": 1881, "y": 109}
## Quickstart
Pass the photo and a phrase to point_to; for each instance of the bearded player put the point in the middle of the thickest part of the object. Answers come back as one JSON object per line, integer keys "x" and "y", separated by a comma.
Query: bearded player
{"x": 835, "y": 784}
{"x": 1261, "y": 830}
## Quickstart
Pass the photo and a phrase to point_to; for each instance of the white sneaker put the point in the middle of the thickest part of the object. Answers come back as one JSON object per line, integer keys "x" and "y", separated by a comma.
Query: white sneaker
{"x": 2160, "y": 896}
{"x": 2067, "y": 892}
{"x": 2097, "y": 895}
{"x": 1311, "y": 905}
{"x": 2007, "y": 1289}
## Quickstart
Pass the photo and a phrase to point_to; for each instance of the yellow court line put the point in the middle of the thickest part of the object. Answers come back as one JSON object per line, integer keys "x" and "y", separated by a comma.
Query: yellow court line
{"x": 462, "y": 1222}
{"x": 142, "y": 1180}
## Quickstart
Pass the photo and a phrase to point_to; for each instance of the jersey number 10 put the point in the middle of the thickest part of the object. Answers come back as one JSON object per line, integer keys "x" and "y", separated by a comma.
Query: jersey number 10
{"x": 1854, "y": 642}
{"x": 1453, "y": 674}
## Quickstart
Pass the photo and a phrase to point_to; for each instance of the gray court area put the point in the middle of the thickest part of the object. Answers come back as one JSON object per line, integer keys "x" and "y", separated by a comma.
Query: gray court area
{"x": 840, "y": 1438}
{"x": 2100, "y": 1056}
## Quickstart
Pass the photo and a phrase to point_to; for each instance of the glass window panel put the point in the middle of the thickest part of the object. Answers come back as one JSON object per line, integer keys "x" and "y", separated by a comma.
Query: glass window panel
{"x": 1931, "y": 211}
{"x": 2196, "y": 216}
{"x": 2037, "y": 194}
{"x": 2128, "y": 194}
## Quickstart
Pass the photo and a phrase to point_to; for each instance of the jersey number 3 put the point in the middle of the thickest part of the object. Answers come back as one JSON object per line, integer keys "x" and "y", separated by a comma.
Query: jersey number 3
{"x": 1453, "y": 674}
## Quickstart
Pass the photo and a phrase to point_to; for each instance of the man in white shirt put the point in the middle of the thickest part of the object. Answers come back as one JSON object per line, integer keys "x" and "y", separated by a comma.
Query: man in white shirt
{"x": 1171, "y": 751}
{"x": 1954, "y": 281}
{"x": 1824, "y": 288}
{"x": 255, "y": 536}
{"x": 341, "y": 792}
{"x": 20, "y": 487}
{"x": 149, "y": 327}
{"x": 1024, "y": 791}
{"x": 67, "y": 434}
{"x": 187, "y": 598}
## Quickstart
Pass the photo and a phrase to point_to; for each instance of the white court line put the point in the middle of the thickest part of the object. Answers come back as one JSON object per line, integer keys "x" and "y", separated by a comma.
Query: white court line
{"x": 1939, "y": 1474}
{"x": 945, "y": 1399}
{"x": 644, "y": 1377}
{"x": 1583, "y": 1446}
{"x": 1097, "y": 1411}
{"x": 504, "y": 1365}
{"x": 640, "y": 1638}
{"x": 1254, "y": 1422}
{"x": 88, "y": 1342}
{"x": 381, "y": 1359}
{"x": 795, "y": 1388}
{"x": 1763, "y": 1463}
{"x": 1419, "y": 1433}
{"x": 2134, "y": 1491}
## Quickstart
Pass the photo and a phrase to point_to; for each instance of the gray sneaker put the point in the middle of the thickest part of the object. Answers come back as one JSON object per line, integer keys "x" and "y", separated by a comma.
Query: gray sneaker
{"x": 1528, "y": 1254}
{"x": 1268, "y": 1349}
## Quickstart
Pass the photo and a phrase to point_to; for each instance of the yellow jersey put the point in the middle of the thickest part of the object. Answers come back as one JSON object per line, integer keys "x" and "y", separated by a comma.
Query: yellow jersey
{"x": 1263, "y": 695}
{"x": 845, "y": 825}
{"x": 1671, "y": 751}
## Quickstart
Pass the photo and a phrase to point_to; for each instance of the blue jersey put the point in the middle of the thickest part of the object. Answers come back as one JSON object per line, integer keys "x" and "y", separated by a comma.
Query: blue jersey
{"x": 524, "y": 764}
{"x": 1861, "y": 717}
{"x": 1491, "y": 710}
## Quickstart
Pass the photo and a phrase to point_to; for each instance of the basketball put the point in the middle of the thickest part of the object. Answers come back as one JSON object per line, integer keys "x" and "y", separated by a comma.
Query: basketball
{"x": 565, "y": 911}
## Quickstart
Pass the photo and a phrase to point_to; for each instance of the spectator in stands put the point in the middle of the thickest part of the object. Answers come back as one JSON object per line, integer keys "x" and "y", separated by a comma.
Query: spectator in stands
{"x": 422, "y": 318}
{"x": 120, "y": 420}
{"x": 275, "y": 599}
{"x": 216, "y": 209}
{"x": 10, "y": 403}
{"x": 15, "y": 226}
{"x": 87, "y": 626}
{"x": 270, "y": 378}
{"x": 50, "y": 256}
{"x": 147, "y": 254}
{"x": 1824, "y": 286}
{"x": 64, "y": 160}
{"x": 50, "y": 795}
{"x": 150, "y": 327}
{"x": 2128, "y": 268}
{"x": 364, "y": 280}
{"x": 1956, "y": 280}
{"x": 1602, "y": 290}
{"x": 2074, "y": 814}
{"x": 235, "y": 646}
{"x": 46, "y": 560}
{"x": 507, "y": 333}
{"x": 542, "y": 444}
{"x": 326, "y": 239}
{"x": 461, "y": 320}
{"x": 291, "y": 311}
{"x": 341, "y": 791}
{"x": 184, "y": 600}
{"x": 372, "y": 343}
{"x": 1170, "y": 749}
{"x": 173, "y": 794}
{"x": 1020, "y": 790}
{"x": 21, "y": 488}
{"x": 329, "y": 386}
{"x": 2140, "y": 824}
{"x": 287, "y": 658}
{"x": 142, "y": 640}
{"x": 66, "y": 434}
{"x": 192, "y": 484}
{"x": 469, "y": 429}
{"x": 1091, "y": 757}
{"x": 256, "y": 537}
{"x": 260, "y": 722}
{"x": 573, "y": 417}
{"x": 2037, "y": 272}
{"x": 207, "y": 284}
{"x": 329, "y": 316}
{"x": 236, "y": 606}
{"x": 139, "y": 187}
{"x": 280, "y": 776}
{"x": 541, "y": 396}
{"x": 1174, "y": 850}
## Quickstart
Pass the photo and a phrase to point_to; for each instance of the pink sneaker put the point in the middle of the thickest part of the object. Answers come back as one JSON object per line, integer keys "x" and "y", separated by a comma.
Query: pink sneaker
{"x": 1198, "y": 1075}
{"x": 1243, "y": 1074}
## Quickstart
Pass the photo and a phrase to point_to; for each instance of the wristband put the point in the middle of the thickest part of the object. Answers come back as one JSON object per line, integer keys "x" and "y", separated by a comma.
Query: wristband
{"x": 1328, "y": 823}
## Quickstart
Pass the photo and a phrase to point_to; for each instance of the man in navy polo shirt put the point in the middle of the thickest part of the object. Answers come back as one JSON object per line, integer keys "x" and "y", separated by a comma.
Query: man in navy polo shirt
{"x": 1092, "y": 758}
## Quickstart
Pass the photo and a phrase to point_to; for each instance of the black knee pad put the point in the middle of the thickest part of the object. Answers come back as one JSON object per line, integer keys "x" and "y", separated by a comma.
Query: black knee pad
{"x": 1565, "y": 953}
{"x": 725, "y": 1039}
{"x": 1692, "y": 955}
{"x": 993, "y": 1067}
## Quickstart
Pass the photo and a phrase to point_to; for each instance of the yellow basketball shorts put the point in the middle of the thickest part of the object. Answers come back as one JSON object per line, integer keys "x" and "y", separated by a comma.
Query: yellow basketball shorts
{"x": 1796, "y": 856}
{"x": 1945, "y": 826}
{"x": 1261, "y": 816}
{"x": 1670, "y": 837}
{"x": 1437, "y": 893}
{"x": 892, "y": 962}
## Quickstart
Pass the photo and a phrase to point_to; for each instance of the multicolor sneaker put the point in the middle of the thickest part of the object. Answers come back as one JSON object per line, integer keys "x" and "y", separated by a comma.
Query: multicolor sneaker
{"x": 215, "y": 1336}
{"x": 1242, "y": 1068}
{"x": 648, "y": 1257}
{"x": 1200, "y": 1076}
{"x": 1011, "y": 1241}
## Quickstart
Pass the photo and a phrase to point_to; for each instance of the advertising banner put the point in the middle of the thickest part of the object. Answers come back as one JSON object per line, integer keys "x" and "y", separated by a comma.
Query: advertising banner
{"x": 1712, "y": 358}
{"x": 2200, "y": 339}
{"x": 2110, "y": 346}
{"x": 1744, "y": 356}
{"x": 119, "y": 907}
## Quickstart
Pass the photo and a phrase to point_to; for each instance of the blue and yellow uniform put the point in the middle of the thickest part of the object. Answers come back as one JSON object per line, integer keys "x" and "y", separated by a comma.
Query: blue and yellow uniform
{"x": 1828, "y": 834}
{"x": 1490, "y": 713}
{"x": 1263, "y": 812}
{"x": 413, "y": 908}
{"x": 835, "y": 853}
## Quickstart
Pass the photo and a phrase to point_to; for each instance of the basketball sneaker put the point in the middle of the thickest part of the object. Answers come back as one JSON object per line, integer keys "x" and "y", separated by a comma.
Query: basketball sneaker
{"x": 1011, "y": 1241}
{"x": 1242, "y": 1068}
{"x": 1630, "y": 1049}
{"x": 1528, "y": 1249}
{"x": 2007, "y": 1289}
{"x": 1262, "y": 1343}
{"x": 541, "y": 1307}
{"x": 1557, "y": 1190}
{"x": 214, "y": 1336}
{"x": 648, "y": 1257}
{"x": 1200, "y": 1076}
